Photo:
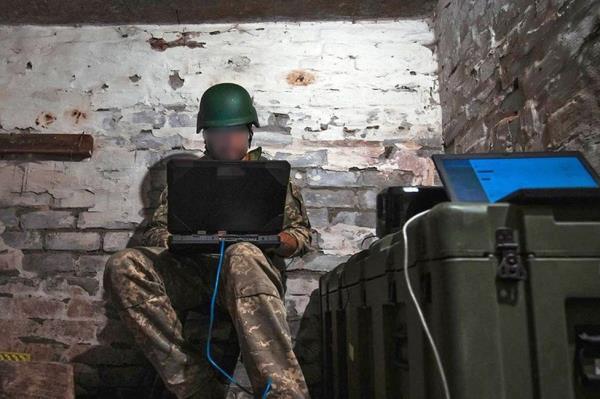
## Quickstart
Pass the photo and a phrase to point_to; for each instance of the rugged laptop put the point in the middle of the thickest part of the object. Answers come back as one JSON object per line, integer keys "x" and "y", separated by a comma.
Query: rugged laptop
{"x": 211, "y": 200}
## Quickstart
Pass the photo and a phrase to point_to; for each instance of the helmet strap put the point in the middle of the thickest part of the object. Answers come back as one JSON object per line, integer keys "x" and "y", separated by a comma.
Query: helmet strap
{"x": 250, "y": 134}
{"x": 207, "y": 149}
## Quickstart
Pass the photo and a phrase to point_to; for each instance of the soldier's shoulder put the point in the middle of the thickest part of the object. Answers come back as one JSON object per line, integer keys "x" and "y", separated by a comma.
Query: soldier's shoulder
{"x": 255, "y": 154}
{"x": 164, "y": 195}
{"x": 295, "y": 189}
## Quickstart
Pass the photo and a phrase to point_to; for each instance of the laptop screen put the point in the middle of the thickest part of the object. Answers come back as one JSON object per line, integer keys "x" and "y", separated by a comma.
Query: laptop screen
{"x": 239, "y": 197}
{"x": 488, "y": 178}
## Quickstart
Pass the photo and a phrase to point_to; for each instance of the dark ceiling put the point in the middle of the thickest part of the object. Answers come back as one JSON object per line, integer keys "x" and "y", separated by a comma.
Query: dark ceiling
{"x": 190, "y": 11}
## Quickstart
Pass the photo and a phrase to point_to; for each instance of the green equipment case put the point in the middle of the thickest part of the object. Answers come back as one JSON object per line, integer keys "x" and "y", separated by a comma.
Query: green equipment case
{"x": 511, "y": 294}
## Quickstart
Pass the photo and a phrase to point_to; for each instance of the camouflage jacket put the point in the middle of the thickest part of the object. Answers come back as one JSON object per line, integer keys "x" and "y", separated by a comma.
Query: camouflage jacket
{"x": 295, "y": 220}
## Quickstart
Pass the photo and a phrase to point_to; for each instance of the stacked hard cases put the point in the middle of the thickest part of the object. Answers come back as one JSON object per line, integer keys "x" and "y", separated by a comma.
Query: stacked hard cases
{"x": 511, "y": 294}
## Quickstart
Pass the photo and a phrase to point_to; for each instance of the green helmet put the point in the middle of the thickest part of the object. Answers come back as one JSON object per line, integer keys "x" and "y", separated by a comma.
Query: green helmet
{"x": 226, "y": 104}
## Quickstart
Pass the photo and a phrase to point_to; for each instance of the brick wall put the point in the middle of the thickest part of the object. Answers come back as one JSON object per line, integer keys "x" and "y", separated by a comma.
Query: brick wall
{"x": 352, "y": 106}
{"x": 520, "y": 75}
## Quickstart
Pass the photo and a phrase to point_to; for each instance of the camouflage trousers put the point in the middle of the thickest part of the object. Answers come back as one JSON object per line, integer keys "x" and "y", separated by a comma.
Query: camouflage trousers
{"x": 151, "y": 286}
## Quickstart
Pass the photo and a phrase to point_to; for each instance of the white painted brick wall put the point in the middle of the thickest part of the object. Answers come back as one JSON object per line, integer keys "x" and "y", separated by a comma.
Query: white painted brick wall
{"x": 366, "y": 116}
{"x": 374, "y": 86}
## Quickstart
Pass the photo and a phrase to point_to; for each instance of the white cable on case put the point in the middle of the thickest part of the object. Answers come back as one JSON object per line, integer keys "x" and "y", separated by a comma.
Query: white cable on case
{"x": 438, "y": 360}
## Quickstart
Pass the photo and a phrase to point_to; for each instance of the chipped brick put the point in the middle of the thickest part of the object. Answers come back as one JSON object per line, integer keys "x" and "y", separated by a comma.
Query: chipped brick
{"x": 49, "y": 263}
{"x": 76, "y": 241}
{"x": 47, "y": 220}
{"x": 115, "y": 241}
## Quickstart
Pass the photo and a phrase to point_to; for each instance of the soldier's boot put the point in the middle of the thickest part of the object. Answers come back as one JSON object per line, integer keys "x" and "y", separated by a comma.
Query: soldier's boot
{"x": 144, "y": 283}
{"x": 253, "y": 293}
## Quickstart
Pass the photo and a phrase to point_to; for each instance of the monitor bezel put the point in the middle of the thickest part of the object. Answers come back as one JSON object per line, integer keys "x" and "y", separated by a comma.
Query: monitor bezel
{"x": 438, "y": 160}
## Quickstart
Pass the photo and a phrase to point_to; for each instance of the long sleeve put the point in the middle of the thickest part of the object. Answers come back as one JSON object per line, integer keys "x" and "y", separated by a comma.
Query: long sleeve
{"x": 295, "y": 221}
{"x": 156, "y": 233}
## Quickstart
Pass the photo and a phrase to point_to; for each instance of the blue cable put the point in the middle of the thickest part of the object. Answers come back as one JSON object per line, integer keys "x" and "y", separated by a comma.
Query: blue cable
{"x": 210, "y": 325}
{"x": 267, "y": 388}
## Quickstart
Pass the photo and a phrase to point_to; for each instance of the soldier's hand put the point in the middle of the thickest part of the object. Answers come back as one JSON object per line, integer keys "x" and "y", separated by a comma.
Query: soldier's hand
{"x": 287, "y": 246}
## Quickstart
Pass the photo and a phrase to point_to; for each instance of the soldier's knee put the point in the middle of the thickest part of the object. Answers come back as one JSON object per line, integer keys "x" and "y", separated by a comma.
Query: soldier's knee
{"x": 243, "y": 248}
{"x": 242, "y": 259}
{"x": 118, "y": 266}
{"x": 247, "y": 271}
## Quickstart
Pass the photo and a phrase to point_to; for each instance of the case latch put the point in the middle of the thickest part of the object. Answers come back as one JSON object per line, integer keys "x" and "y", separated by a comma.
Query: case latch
{"x": 507, "y": 249}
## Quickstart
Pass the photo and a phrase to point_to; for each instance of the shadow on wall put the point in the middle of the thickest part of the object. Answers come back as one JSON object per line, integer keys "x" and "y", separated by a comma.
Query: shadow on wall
{"x": 153, "y": 183}
{"x": 122, "y": 369}
{"x": 308, "y": 345}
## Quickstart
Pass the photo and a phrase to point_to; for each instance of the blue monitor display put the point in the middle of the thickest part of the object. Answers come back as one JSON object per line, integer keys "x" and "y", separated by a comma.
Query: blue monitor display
{"x": 488, "y": 179}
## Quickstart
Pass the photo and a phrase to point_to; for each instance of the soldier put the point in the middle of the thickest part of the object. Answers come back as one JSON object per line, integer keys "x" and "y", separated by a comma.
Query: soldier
{"x": 150, "y": 286}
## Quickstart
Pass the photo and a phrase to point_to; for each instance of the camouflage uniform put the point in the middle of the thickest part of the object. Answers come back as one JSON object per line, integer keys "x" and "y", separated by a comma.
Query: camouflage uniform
{"x": 151, "y": 286}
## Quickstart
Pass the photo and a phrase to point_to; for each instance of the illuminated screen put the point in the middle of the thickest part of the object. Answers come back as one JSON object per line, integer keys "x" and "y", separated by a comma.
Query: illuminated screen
{"x": 490, "y": 179}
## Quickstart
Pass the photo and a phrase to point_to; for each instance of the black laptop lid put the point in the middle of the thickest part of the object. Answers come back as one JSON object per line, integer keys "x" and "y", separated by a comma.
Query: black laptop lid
{"x": 238, "y": 197}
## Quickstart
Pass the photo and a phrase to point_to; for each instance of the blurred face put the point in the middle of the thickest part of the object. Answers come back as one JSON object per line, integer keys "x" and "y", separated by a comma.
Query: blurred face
{"x": 227, "y": 144}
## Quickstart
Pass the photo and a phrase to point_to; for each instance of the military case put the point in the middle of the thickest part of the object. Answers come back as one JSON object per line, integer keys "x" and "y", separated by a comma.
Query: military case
{"x": 511, "y": 294}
